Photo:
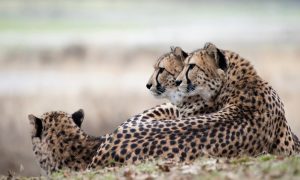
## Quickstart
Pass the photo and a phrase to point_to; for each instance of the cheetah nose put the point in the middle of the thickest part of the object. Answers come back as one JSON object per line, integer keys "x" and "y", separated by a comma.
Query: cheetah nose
{"x": 178, "y": 82}
{"x": 148, "y": 86}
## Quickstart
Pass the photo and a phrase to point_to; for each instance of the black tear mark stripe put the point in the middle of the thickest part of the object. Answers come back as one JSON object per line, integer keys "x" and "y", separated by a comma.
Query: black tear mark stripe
{"x": 191, "y": 66}
{"x": 189, "y": 59}
{"x": 158, "y": 73}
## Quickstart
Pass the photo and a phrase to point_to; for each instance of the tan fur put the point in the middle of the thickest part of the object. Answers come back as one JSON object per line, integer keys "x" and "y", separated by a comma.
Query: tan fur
{"x": 240, "y": 86}
{"x": 61, "y": 144}
{"x": 245, "y": 116}
{"x": 249, "y": 120}
{"x": 183, "y": 106}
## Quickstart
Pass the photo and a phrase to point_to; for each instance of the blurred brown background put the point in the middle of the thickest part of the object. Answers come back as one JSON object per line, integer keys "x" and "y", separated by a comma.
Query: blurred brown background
{"x": 98, "y": 55}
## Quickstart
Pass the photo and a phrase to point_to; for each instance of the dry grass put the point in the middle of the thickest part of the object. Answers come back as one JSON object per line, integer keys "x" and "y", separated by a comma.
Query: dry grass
{"x": 263, "y": 167}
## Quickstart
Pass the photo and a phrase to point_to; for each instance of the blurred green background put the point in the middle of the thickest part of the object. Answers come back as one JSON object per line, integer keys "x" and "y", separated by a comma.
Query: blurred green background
{"x": 98, "y": 55}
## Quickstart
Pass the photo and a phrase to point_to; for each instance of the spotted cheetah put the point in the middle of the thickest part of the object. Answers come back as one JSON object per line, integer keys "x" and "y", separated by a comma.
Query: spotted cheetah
{"x": 59, "y": 143}
{"x": 235, "y": 87}
{"x": 164, "y": 81}
{"x": 249, "y": 119}
{"x": 228, "y": 132}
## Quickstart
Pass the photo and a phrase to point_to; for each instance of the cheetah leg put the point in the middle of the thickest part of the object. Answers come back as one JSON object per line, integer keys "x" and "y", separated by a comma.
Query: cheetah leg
{"x": 285, "y": 142}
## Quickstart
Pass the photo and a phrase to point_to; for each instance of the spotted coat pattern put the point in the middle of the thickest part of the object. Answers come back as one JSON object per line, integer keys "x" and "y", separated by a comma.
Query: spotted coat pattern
{"x": 59, "y": 143}
{"x": 249, "y": 119}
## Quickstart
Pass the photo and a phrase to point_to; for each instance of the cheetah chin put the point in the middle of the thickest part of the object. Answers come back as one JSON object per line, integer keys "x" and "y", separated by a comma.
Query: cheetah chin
{"x": 176, "y": 96}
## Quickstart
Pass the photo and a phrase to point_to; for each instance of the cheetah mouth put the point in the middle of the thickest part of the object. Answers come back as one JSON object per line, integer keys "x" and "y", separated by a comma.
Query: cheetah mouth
{"x": 159, "y": 91}
{"x": 187, "y": 89}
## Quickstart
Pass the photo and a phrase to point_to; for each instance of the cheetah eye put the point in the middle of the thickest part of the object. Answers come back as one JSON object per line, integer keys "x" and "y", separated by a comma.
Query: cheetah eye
{"x": 161, "y": 70}
{"x": 192, "y": 66}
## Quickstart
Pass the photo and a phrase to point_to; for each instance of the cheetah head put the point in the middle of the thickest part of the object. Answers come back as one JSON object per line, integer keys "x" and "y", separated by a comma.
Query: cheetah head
{"x": 166, "y": 69}
{"x": 47, "y": 134}
{"x": 203, "y": 73}
{"x": 54, "y": 121}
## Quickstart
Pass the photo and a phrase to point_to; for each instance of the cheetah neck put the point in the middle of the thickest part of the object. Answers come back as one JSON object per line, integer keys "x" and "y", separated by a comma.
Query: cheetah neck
{"x": 194, "y": 105}
{"x": 76, "y": 147}
{"x": 240, "y": 76}
{"x": 176, "y": 97}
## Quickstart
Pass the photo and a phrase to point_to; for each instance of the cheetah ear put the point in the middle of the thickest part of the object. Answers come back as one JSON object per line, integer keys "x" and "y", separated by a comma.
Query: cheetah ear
{"x": 178, "y": 52}
{"x": 78, "y": 117}
{"x": 216, "y": 54}
{"x": 37, "y": 126}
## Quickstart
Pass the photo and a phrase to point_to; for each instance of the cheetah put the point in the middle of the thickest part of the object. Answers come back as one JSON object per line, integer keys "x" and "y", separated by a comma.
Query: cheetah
{"x": 249, "y": 119}
{"x": 59, "y": 143}
{"x": 232, "y": 83}
{"x": 225, "y": 133}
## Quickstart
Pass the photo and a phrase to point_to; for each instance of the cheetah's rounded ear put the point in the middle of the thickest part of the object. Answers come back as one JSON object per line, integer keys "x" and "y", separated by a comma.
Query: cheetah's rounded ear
{"x": 216, "y": 54}
{"x": 37, "y": 125}
{"x": 78, "y": 117}
{"x": 178, "y": 52}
